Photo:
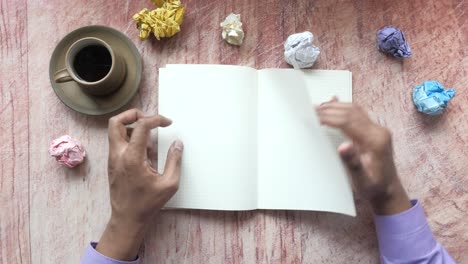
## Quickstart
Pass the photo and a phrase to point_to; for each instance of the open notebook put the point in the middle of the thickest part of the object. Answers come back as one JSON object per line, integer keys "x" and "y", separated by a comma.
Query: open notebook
{"x": 252, "y": 138}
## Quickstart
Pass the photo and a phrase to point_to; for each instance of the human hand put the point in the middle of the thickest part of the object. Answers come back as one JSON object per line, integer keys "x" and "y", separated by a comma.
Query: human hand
{"x": 369, "y": 157}
{"x": 137, "y": 191}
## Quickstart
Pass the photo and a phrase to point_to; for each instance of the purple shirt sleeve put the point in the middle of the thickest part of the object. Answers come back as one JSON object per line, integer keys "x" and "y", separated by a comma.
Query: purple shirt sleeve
{"x": 403, "y": 238}
{"x": 91, "y": 256}
{"x": 406, "y": 238}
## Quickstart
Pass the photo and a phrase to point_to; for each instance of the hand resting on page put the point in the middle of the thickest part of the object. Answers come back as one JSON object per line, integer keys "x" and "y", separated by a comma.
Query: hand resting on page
{"x": 137, "y": 191}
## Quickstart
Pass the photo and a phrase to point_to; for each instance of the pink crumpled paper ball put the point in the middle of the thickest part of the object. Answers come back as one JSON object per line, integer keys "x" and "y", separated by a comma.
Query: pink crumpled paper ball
{"x": 67, "y": 151}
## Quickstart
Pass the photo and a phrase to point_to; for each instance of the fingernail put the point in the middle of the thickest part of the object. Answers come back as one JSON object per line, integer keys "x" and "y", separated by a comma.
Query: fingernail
{"x": 178, "y": 145}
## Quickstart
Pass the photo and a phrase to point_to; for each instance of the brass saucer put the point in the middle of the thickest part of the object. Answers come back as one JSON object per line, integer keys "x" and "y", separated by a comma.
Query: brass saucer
{"x": 72, "y": 95}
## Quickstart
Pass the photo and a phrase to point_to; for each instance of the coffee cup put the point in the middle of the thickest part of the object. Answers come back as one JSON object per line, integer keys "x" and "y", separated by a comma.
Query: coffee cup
{"x": 94, "y": 66}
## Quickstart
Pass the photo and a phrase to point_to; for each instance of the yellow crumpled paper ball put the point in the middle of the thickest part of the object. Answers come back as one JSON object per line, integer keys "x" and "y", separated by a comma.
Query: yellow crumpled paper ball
{"x": 163, "y": 21}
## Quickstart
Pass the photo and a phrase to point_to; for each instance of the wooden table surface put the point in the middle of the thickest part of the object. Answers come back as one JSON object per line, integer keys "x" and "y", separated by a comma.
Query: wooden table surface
{"x": 49, "y": 213}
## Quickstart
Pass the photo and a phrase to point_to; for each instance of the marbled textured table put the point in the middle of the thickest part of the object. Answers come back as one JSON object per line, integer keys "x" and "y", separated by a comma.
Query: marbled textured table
{"x": 48, "y": 213}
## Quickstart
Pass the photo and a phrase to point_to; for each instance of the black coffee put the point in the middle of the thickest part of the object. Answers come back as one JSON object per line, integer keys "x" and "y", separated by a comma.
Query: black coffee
{"x": 92, "y": 63}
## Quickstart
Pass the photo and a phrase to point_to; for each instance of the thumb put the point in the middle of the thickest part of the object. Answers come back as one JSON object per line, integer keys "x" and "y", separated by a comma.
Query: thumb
{"x": 351, "y": 157}
{"x": 174, "y": 157}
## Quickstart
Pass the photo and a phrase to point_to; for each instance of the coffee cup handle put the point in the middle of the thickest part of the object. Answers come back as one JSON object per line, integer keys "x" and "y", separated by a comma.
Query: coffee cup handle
{"x": 62, "y": 76}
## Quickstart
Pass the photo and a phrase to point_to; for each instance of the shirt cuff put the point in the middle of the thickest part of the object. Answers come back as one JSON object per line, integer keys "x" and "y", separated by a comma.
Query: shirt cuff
{"x": 92, "y": 256}
{"x": 401, "y": 235}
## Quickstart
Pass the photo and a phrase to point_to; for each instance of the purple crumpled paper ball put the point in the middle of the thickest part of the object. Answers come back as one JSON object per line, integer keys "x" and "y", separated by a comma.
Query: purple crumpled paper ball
{"x": 392, "y": 40}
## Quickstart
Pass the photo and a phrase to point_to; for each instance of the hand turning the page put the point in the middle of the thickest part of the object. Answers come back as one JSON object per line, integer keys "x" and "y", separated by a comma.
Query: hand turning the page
{"x": 369, "y": 157}
{"x": 403, "y": 232}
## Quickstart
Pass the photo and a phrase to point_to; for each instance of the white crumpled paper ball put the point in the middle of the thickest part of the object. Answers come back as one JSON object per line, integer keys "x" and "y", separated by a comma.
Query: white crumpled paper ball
{"x": 67, "y": 151}
{"x": 299, "y": 51}
{"x": 232, "y": 30}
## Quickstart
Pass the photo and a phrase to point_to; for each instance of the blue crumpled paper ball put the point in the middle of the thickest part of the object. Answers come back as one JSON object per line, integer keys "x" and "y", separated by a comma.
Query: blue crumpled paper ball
{"x": 392, "y": 40}
{"x": 431, "y": 97}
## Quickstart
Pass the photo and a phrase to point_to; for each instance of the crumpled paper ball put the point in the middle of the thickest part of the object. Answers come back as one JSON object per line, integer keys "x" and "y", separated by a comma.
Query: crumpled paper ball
{"x": 431, "y": 97}
{"x": 163, "y": 21}
{"x": 67, "y": 151}
{"x": 392, "y": 40}
{"x": 299, "y": 51}
{"x": 232, "y": 29}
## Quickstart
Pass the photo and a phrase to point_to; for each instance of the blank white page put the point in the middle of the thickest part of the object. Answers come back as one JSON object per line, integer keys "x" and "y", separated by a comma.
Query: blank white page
{"x": 298, "y": 168}
{"x": 214, "y": 112}
{"x": 322, "y": 85}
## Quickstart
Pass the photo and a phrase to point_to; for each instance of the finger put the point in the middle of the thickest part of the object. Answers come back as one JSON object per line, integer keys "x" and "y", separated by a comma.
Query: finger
{"x": 352, "y": 159}
{"x": 141, "y": 132}
{"x": 333, "y": 99}
{"x": 149, "y": 144}
{"x": 117, "y": 130}
{"x": 172, "y": 166}
{"x": 355, "y": 131}
{"x": 335, "y": 105}
{"x": 352, "y": 121}
{"x": 350, "y": 155}
{"x": 333, "y": 117}
{"x": 333, "y": 111}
